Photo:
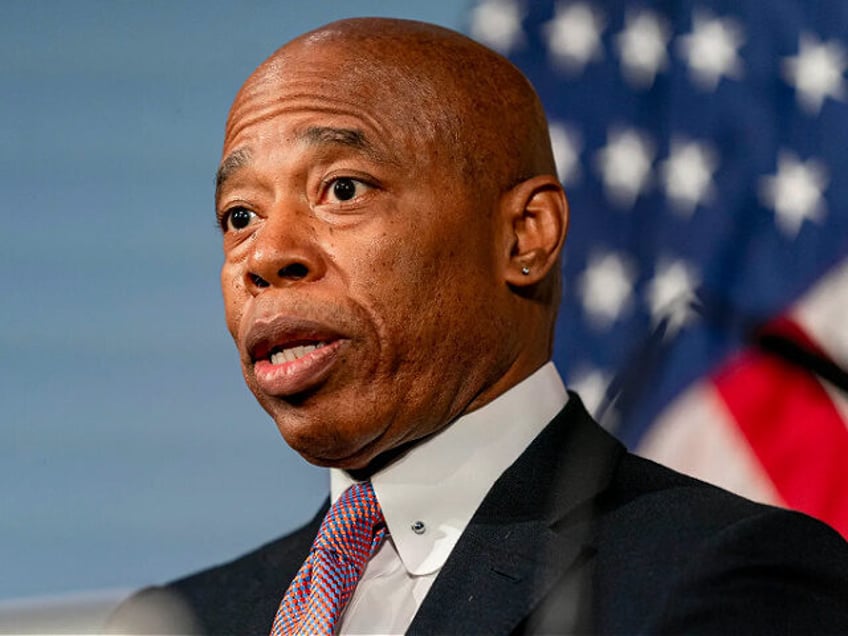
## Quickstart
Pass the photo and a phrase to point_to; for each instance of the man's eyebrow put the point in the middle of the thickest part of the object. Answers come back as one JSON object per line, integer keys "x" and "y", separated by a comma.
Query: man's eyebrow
{"x": 351, "y": 137}
{"x": 314, "y": 135}
{"x": 231, "y": 163}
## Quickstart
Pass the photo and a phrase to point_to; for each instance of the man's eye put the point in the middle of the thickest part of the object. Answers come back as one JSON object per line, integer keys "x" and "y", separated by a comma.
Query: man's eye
{"x": 345, "y": 189}
{"x": 237, "y": 218}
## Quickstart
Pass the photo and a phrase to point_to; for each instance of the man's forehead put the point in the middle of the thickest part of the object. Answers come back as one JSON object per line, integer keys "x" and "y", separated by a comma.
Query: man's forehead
{"x": 357, "y": 93}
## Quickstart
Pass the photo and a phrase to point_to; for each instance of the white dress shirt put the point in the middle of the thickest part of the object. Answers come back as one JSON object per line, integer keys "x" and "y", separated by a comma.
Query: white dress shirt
{"x": 429, "y": 495}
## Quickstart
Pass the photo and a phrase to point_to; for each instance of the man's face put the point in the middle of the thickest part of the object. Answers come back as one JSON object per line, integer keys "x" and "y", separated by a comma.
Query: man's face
{"x": 360, "y": 278}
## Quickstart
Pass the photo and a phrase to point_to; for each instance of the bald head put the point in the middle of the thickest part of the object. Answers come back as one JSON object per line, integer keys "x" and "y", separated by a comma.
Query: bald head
{"x": 469, "y": 104}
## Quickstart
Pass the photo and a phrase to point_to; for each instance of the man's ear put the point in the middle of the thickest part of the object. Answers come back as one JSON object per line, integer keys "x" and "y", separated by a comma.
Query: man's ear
{"x": 535, "y": 217}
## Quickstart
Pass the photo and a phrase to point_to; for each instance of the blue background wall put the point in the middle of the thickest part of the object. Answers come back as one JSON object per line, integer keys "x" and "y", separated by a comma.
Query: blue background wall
{"x": 130, "y": 451}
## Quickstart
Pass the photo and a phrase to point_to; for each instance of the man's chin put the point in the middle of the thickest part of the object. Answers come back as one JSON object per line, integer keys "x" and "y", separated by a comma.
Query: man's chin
{"x": 317, "y": 445}
{"x": 355, "y": 461}
{"x": 360, "y": 461}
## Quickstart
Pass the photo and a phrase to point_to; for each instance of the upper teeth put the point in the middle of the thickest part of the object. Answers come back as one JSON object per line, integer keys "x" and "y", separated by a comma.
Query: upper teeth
{"x": 293, "y": 353}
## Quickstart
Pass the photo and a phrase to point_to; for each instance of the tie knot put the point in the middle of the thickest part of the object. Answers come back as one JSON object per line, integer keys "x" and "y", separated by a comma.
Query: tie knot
{"x": 349, "y": 527}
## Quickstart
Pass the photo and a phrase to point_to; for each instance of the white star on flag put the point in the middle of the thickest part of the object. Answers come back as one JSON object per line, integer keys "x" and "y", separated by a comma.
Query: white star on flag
{"x": 567, "y": 143}
{"x": 795, "y": 193}
{"x": 606, "y": 287}
{"x": 816, "y": 72}
{"x": 497, "y": 23}
{"x": 574, "y": 36}
{"x": 711, "y": 49}
{"x": 687, "y": 175}
{"x": 671, "y": 293}
{"x": 625, "y": 165}
{"x": 642, "y": 47}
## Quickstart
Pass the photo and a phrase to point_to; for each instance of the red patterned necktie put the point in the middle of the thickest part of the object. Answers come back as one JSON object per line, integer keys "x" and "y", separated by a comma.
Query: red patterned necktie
{"x": 349, "y": 534}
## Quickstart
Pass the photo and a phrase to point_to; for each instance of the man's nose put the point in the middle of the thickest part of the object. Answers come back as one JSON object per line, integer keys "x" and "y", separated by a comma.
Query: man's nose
{"x": 285, "y": 251}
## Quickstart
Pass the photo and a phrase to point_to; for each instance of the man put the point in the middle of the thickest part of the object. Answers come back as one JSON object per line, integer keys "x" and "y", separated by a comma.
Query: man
{"x": 392, "y": 232}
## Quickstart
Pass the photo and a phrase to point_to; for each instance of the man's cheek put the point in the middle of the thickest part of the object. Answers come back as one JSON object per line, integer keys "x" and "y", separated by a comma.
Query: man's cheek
{"x": 234, "y": 301}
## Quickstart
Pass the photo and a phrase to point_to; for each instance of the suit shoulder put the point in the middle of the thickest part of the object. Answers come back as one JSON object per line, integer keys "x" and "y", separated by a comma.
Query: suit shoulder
{"x": 643, "y": 484}
{"x": 277, "y": 555}
{"x": 240, "y": 596}
{"x": 649, "y": 501}
{"x": 679, "y": 548}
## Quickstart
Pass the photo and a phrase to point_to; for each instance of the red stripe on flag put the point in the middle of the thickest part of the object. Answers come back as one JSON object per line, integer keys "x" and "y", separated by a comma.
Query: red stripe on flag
{"x": 794, "y": 430}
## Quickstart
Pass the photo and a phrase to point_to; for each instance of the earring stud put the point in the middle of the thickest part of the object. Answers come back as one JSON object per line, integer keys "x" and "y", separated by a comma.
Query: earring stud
{"x": 525, "y": 270}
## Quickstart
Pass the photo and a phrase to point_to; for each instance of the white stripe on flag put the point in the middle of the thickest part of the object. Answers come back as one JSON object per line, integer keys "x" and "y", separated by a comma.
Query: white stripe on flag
{"x": 823, "y": 313}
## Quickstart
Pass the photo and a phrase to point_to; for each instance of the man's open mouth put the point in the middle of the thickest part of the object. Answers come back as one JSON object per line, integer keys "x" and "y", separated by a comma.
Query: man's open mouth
{"x": 289, "y": 354}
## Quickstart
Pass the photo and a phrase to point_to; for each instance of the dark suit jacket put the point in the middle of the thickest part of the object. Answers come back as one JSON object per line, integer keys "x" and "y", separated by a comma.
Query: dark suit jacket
{"x": 578, "y": 535}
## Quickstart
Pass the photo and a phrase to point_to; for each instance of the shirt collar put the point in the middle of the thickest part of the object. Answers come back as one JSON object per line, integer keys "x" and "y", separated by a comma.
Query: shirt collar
{"x": 441, "y": 482}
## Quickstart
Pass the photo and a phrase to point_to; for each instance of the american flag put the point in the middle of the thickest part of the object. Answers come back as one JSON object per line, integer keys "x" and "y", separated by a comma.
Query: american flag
{"x": 702, "y": 146}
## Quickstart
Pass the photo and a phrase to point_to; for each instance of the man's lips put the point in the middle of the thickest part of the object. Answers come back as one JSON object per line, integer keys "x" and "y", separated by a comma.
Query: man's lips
{"x": 291, "y": 355}
{"x": 295, "y": 370}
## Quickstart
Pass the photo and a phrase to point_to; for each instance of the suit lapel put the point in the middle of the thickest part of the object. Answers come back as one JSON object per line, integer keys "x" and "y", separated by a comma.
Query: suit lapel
{"x": 531, "y": 529}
